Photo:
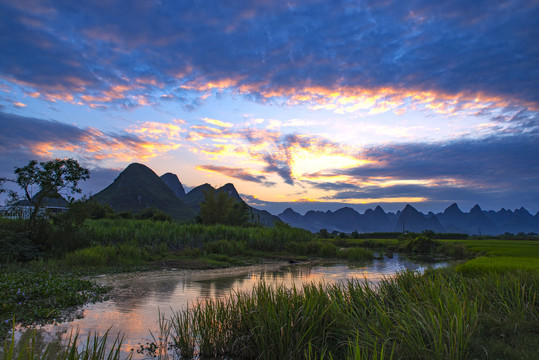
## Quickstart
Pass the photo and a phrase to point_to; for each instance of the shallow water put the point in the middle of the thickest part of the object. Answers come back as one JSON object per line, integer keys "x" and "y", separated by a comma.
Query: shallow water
{"x": 138, "y": 298}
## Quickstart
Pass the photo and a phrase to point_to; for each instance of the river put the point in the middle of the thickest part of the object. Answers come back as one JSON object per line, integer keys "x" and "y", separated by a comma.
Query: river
{"x": 137, "y": 298}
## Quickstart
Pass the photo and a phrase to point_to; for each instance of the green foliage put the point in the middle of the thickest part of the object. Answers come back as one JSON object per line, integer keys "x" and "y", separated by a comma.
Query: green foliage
{"x": 16, "y": 242}
{"x": 50, "y": 178}
{"x": 421, "y": 244}
{"x": 328, "y": 250}
{"x": 454, "y": 250}
{"x": 502, "y": 247}
{"x": 84, "y": 208}
{"x": 226, "y": 247}
{"x": 220, "y": 208}
{"x": 358, "y": 254}
{"x": 178, "y": 236}
{"x": 37, "y": 296}
{"x": 152, "y": 214}
{"x": 499, "y": 264}
{"x": 31, "y": 347}
{"x": 112, "y": 255}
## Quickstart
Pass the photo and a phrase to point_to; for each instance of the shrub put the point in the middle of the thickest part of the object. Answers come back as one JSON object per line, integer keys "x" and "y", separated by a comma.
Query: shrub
{"x": 358, "y": 254}
{"x": 458, "y": 251}
{"x": 421, "y": 244}
{"x": 328, "y": 250}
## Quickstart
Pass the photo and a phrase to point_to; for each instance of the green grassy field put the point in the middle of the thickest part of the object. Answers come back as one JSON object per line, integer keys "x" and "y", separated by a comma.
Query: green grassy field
{"x": 497, "y": 255}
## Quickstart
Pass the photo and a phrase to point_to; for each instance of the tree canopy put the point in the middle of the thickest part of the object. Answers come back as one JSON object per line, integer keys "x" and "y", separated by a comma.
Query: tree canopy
{"x": 48, "y": 179}
{"x": 220, "y": 208}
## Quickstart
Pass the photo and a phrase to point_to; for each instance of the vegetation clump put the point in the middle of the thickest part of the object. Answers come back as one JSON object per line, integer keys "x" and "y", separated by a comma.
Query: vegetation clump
{"x": 37, "y": 297}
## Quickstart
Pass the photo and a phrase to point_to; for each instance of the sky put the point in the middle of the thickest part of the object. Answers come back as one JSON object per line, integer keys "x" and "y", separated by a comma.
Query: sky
{"x": 308, "y": 104}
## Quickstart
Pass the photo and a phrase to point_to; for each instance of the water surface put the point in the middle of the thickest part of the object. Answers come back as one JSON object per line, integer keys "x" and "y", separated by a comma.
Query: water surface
{"x": 138, "y": 298}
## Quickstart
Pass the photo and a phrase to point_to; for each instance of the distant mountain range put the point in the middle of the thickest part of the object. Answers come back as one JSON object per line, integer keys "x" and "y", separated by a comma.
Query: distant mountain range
{"x": 138, "y": 187}
{"x": 452, "y": 220}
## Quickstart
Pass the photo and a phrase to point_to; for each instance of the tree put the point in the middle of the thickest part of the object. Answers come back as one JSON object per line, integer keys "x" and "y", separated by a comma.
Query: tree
{"x": 50, "y": 178}
{"x": 220, "y": 208}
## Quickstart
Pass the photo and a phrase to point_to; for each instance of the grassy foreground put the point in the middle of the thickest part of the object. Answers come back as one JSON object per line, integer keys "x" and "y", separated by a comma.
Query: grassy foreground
{"x": 438, "y": 315}
{"x": 486, "y": 308}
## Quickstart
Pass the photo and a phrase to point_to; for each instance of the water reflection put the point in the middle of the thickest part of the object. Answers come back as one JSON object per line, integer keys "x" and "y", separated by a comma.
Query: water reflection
{"x": 137, "y": 298}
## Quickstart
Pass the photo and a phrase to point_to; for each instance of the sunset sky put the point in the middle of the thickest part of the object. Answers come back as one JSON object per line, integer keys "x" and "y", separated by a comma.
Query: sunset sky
{"x": 309, "y": 104}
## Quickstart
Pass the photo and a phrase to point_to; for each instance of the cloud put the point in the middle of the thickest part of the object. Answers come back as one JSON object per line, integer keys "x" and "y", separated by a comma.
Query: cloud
{"x": 502, "y": 169}
{"x": 236, "y": 173}
{"x": 367, "y": 56}
{"x": 25, "y": 138}
{"x": 217, "y": 122}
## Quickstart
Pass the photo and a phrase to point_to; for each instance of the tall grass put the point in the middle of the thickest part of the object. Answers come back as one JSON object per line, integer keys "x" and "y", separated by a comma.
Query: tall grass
{"x": 180, "y": 236}
{"x": 94, "y": 348}
{"x": 436, "y": 315}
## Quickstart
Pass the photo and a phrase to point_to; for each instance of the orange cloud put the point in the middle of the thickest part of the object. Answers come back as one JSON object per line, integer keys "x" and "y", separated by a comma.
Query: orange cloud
{"x": 156, "y": 130}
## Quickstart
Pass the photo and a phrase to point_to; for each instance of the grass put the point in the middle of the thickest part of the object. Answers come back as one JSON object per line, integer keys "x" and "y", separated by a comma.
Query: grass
{"x": 178, "y": 236}
{"x": 31, "y": 347}
{"x": 500, "y": 256}
{"x": 499, "y": 264}
{"x": 441, "y": 314}
{"x": 498, "y": 247}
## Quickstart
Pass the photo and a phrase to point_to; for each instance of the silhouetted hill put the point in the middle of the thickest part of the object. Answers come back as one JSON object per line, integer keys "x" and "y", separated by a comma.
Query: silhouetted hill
{"x": 376, "y": 220}
{"x": 412, "y": 220}
{"x": 231, "y": 191}
{"x": 138, "y": 188}
{"x": 174, "y": 184}
{"x": 478, "y": 223}
{"x": 50, "y": 201}
{"x": 522, "y": 221}
{"x": 196, "y": 196}
{"x": 452, "y": 220}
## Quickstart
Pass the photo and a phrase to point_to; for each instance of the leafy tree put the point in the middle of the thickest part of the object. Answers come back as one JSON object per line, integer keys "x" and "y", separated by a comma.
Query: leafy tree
{"x": 50, "y": 178}
{"x": 323, "y": 233}
{"x": 219, "y": 208}
{"x": 239, "y": 214}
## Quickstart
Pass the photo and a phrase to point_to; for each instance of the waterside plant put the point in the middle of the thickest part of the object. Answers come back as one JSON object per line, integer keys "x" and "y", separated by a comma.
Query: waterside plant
{"x": 441, "y": 314}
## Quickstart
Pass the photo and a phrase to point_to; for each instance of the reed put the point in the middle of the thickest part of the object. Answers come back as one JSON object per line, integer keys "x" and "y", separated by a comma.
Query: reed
{"x": 177, "y": 236}
{"x": 439, "y": 314}
{"x": 94, "y": 348}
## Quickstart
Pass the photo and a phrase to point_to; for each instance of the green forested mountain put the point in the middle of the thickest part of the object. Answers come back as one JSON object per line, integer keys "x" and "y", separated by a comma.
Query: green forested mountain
{"x": 138, "y": 188}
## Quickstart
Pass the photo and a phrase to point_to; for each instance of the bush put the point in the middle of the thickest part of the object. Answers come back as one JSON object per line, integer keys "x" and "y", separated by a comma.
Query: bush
{"x": 328, "y": 250}
{"x": 421, "y": 244}
{"x": 358, "y": 254}
{"x": 297, "y": 248}
{"x": 458, "y": 251}
{"x": 313, "y": 248}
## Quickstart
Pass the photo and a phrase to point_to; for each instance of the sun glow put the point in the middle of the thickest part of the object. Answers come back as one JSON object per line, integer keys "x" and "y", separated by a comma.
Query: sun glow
{"x": 308, "y": 162}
